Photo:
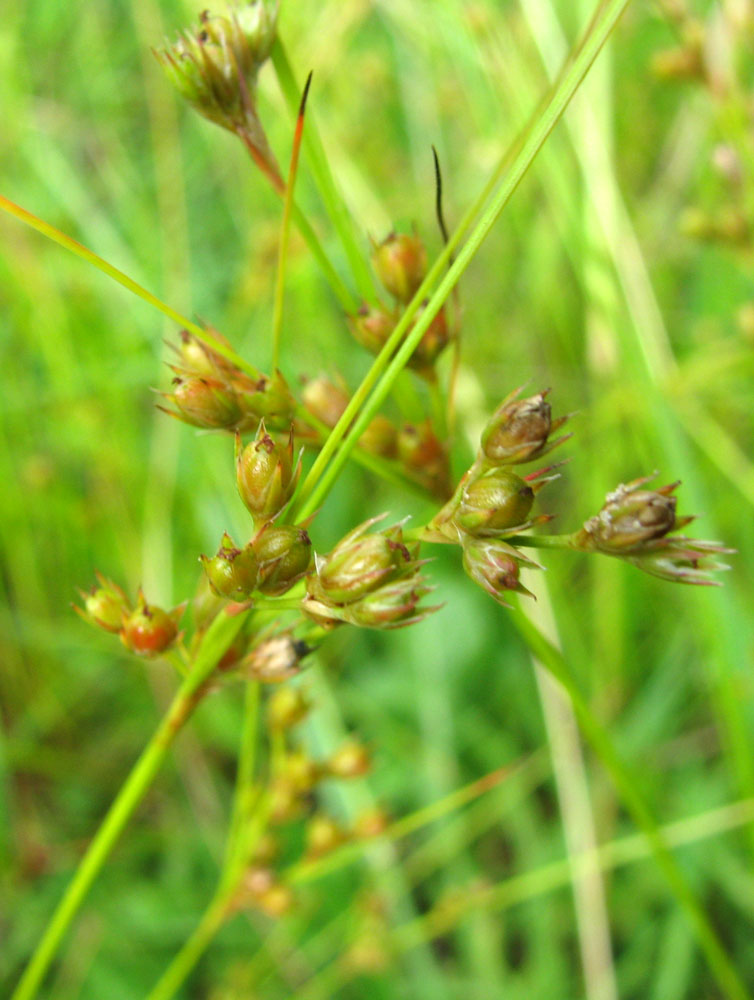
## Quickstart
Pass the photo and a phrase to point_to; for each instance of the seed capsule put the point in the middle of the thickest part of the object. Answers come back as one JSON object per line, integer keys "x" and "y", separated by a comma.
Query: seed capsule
{"x": 233, "y": 572}
{"x": 148, "y": 630}
{"x": 519, "y": 430}
{"x": 496, "y": 502}
{"x": 265, "y": 474}
{"x": 284, "y": 553}
{"x": 401, "y": 264}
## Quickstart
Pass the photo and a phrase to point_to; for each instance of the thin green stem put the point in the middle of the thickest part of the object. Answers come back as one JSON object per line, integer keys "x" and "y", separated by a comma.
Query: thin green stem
{"x": 123, "y": 279}
{"x": 323, "y": 178}
{"x": 214, "y": 644}
{"x": 243, "y": 796}
{"x": 384, "y": 371}
{"x": 310, "y": 237}
{"x": 285, "y": 229}
{"x": 554, "y": 661}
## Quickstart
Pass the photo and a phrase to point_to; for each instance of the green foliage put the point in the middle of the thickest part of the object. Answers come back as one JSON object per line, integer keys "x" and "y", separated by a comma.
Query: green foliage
{"x": 587, "y": 285}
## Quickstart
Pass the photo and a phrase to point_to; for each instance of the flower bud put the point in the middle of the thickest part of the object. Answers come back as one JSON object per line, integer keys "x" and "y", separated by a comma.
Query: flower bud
{"x": 401, "y": 263}
{"x": 277, "y": 901}
{"x": 630, "y": 518}
{"x": 494, "y": 566}
{"x": 265, "y": 398}
{"x": 325, "y": 400}
{"x": 284, "y": 553}
{"x": 204, "y": 402}
{"x": 287, "y": 707}
{"x": 323, "y": 834}
{"x": 393, "y": 606}
{"x": 351, "y": 760}
{"x": 148, "y": 630}
{"x": 104, "y": 606}
{"x": 275, "y": 659}
{"x": 300, "y": 771}
{"x": 257, "y": 21}
{"x": 430, "y": 347}
{"x": 232, "y": 572}
{"x": 498, "y": 501}
{"x": 360, "y": 563}
{"x": 371, "y": 823}
{"x": 372, "y": 326}
{"x": 519, "y": 430}
{"x": 425, "y": 457}
{"x": 286, "y": 804}
{"x": 380, "y": 437}
{"x": 265, "y": 474}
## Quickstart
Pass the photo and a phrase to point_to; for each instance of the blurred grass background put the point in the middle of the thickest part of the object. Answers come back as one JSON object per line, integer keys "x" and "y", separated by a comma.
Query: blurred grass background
{"x": 586, "y": 285}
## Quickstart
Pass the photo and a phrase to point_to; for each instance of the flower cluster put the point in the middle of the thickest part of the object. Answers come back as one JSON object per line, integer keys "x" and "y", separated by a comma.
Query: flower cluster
{"x": 635, "y": 524}
{"x": 371, "y": 580}
{"x": 215, "y": 69}
{"x": 292, "y": 794}
{"x": 493, "y": 502}
{"x": 212, "y": 393}
{"x": 143, "y": 628}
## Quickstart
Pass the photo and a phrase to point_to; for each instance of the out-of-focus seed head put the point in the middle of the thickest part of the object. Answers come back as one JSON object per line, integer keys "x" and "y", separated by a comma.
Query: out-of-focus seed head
{"x": 371, "y": 823}
{"x": 401, "y": 264}
{"x": 325, "y": 400}
{"x": 105, "y": 605}
{"x": 265, "y": 474}
{"x": 361, "y": 563}
{"x": 275, "y": 659}
{"x": 258, "y": 23}
{"x": 425, "y": 458}
{"x": 232, "y": 572}
{"x": 323, "y": 835}
{"x": 631, "y": 517}
{"x": 203, "y": 401}
{"x": 497, "y": 502}
{"x": 380, "y": 437}
{"x": 300, "y": 771}
{"x": 519, "y": 430}
{"x": 148, "y": 630}
{"x": 436, "y": 338}
{"x": 277, "y": 901}
{"x": 351, "y": 760}
{"x": 284, "y": 553}
{"x": 495, "y": 566}
{"x": 286, "y": 803}
{"x": 287, "y": 707}
{"x": 215, "y": 67}
{"x": 266, "y": 850}
{"x": 371, "y": 326}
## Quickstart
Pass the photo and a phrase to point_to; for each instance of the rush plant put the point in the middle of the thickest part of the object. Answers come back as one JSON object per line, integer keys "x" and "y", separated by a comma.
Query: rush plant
{"x": 270, "y": 602}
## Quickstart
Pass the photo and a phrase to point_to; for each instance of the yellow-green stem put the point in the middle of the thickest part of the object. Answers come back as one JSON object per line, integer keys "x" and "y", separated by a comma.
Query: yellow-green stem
{"x": 214, "y": 644}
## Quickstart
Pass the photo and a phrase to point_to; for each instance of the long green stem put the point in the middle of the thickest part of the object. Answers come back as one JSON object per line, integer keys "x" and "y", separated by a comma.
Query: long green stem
{"x": 321, "y": 479}
{"x": 68, "y": 243}
{"x": 554, "y": 661}
{"x": 215, "y": 642}
{"x": 323, "y": 178}
{"x": 243, "y": 795}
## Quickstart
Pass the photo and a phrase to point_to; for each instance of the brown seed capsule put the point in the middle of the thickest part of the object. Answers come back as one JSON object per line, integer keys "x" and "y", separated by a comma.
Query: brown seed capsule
{"x": 325, "y": 400}
{"x": 148, "y": 630}
{"x": 401, "y": 264}
{"x": 519, "y": 430}
{"x": 372, "y": 326}
{"x": 275, "y": 659}
{"x": 204, "y": 401}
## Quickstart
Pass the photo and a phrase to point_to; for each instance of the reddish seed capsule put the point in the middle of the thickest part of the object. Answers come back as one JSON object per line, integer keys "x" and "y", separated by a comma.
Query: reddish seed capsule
{"x": 148, "y": 630}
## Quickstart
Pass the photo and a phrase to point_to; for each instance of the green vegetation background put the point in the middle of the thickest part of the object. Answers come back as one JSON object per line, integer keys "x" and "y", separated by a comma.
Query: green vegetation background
{"x": 586, "y": 285}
